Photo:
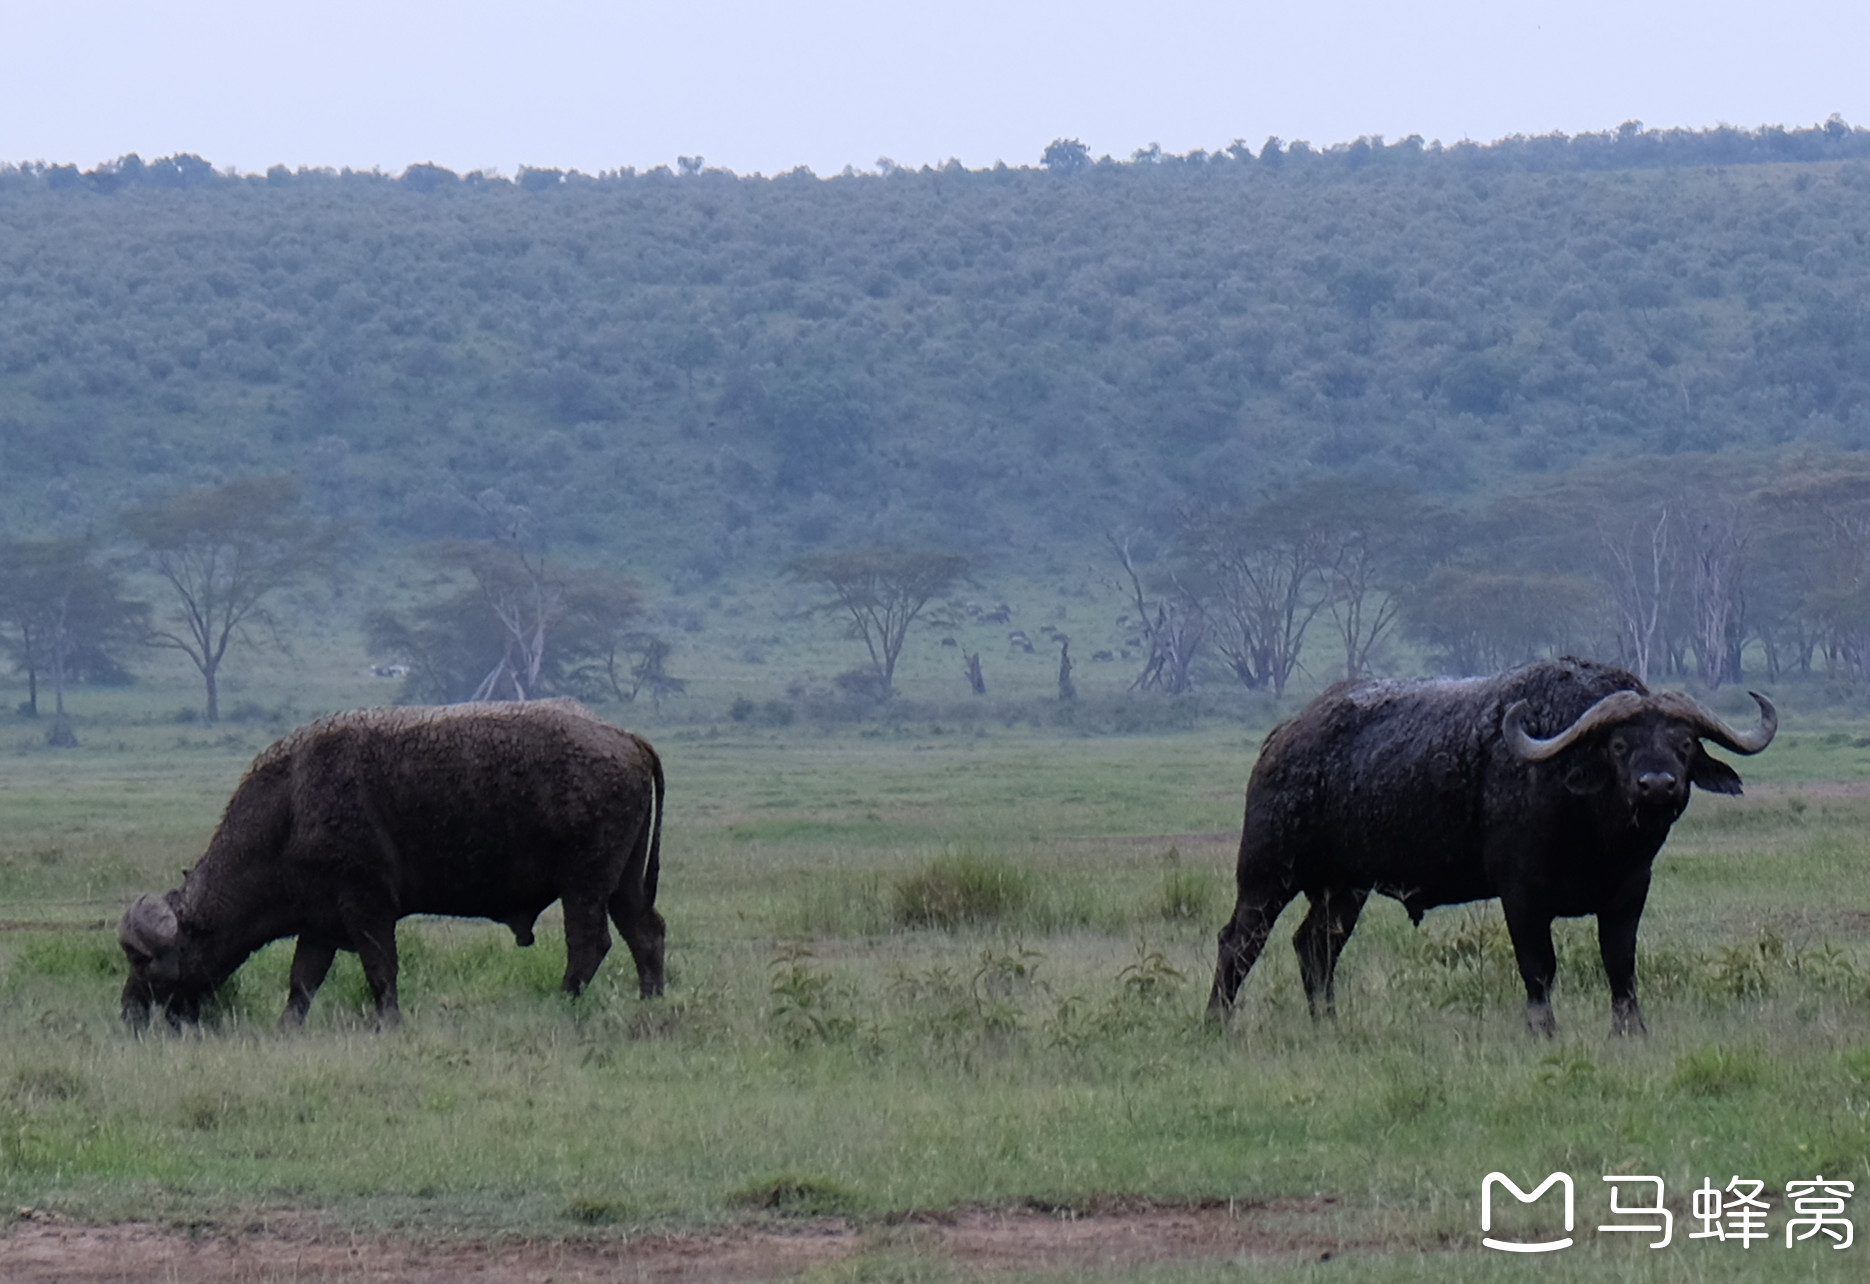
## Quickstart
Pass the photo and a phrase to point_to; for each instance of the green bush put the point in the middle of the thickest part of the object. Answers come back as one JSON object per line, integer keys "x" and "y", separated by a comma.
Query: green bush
{"x": 961, "y": 889}
{"x": 798, "y": 1196}
{"x": 1718, "y": 1072}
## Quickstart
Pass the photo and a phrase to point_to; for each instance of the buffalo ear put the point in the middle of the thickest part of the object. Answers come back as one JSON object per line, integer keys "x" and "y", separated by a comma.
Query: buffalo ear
{"x": 1713, "y": 775}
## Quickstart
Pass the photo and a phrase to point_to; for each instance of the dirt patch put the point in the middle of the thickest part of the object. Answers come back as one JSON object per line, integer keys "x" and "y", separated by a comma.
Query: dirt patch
{"x": 978, "y": 1241}
{"x": 985, "y": 1241}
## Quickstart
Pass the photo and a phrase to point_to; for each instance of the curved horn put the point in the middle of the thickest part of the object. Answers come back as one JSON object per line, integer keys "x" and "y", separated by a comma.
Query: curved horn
{"x": 1709, "y": 725}
{"x": 149, "y": 926}
{"x": 1615, "y": 707}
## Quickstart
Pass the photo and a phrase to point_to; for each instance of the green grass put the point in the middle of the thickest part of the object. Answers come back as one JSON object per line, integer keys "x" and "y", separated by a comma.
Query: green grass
{"x": 825, "y": 1051}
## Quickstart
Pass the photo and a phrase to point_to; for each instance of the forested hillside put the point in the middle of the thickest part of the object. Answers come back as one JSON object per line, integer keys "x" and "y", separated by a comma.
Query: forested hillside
{"x": 697, "y": 373}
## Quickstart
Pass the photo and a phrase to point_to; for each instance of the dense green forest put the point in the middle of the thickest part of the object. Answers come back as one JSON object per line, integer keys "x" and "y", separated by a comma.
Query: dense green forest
{"x": 691, "y": 374}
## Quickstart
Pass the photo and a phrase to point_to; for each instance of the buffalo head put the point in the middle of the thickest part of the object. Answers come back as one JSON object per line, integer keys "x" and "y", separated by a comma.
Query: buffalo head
{"x": 1647, "y": 748}
{"x": 152, "y": 940}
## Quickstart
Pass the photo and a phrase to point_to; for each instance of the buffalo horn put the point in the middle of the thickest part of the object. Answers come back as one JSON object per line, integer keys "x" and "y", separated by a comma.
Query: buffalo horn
{"x": 1615, "y": 707}
{"x": 1621, "y": 705}
{"x": 1709, "y": 726}
{"x": 149, "y": 927}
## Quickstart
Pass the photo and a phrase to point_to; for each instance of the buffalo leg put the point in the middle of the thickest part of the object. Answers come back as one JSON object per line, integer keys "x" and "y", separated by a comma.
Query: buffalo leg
{"x": 587, "y": 941}
{"x": 642, "y": 930}
{"x": 310, "y": 961}
{"x": 376, "y": 949}
{"x": 1245, "y": 936}
{"x": 1320, "y": 939}
{"x": 1616, "y": 942}
{"x": 1538, "y": 964}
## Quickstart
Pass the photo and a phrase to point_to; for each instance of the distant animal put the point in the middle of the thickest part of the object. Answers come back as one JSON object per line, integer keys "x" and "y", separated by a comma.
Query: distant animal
{"x": 1550, "y": 786}
{"x": 349, "y": 824}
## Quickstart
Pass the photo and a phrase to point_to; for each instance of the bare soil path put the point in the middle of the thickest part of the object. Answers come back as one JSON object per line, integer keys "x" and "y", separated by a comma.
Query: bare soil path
{"x": 978, "y": 1241}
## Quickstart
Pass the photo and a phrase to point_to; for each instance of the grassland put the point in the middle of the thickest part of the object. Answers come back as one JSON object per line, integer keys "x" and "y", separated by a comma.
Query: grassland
{"x": 833, "y": 1047}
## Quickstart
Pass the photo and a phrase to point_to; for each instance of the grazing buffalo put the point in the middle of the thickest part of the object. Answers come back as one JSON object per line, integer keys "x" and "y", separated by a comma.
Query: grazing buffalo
{"x": 346, "y": 825}
{"x": 1550, "y": 786}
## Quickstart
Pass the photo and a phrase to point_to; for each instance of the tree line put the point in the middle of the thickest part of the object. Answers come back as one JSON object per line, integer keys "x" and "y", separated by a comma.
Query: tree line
{"x": 499, "y": 620}
{"x": 1697, "y": 568}
{"x": 1702, "y": 569}
{"x": 1629, "y": 146}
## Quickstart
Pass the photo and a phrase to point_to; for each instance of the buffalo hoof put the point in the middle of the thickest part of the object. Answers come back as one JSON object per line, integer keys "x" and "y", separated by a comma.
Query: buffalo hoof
{"x": 1539, "y": 1020}
{"x": 1627, "y": 1019}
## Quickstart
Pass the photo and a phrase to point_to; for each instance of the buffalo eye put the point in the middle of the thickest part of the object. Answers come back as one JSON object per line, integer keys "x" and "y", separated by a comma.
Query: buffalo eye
{"x": 1619, "y": 746}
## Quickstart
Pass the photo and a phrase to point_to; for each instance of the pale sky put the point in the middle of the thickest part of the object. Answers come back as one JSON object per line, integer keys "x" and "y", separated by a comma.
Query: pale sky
{"x": 763, "y": 87}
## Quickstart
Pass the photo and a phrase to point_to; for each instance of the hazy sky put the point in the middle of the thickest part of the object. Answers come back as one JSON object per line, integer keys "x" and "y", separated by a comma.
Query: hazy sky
{"x": 828, "y": 83}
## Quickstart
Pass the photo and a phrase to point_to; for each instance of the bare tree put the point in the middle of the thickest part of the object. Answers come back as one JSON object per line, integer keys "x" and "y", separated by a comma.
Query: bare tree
{"x": 1259, "y": 577}
{"x": 1642, "y": 582}
{"x": 976, "y": 680}
{"x": 223, "y": 550}
{"x": 1713, "y": 536}
{"x": 881, "y": 593}
{"x": 1172, "y": 625}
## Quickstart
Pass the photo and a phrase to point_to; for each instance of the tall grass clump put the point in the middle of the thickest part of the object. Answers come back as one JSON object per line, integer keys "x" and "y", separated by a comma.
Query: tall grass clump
{"x": 1187, "y": 895}
{"x": 961, "y": 888}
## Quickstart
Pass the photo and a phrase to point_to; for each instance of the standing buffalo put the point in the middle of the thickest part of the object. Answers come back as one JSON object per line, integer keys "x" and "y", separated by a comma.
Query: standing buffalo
{"x": 346, "y": 825}
{"x": 1551, "y": 786}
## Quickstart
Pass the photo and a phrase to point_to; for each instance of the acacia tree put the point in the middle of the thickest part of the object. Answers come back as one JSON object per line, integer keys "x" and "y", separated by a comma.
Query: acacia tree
{"x": 1816, "y": 539}
{"x": 223, "y": 550}
{"x": 881, "y": 592}
{"x": 1259, "y": 576}
{"x": 65, "y": 611}
{"x": 507, "y": 625}
{"x": 1480, "y": 621}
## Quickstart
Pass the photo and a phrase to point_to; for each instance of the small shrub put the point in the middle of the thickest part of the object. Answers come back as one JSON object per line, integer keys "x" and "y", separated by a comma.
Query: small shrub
{"x": 1568, "y": 1071}
{"x": 1471, "y": 966}
{"x": 961, "y": 889}
{"x": 1717, "y": 1072}
{"x": 204, "y": 1109}
{"x": 1410, "y": 1093}
{"x": 1187, "y": 896}
{"x": 862, "y": 684}
{"x": 1748, "y": 971}
{"x": 797, "y": 1196}
{"x": 48, "y": 1083}
{"x": 1150, "y": 981}
{"x": 597, "y": 1211}
{"x": 809, "y": 1006}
